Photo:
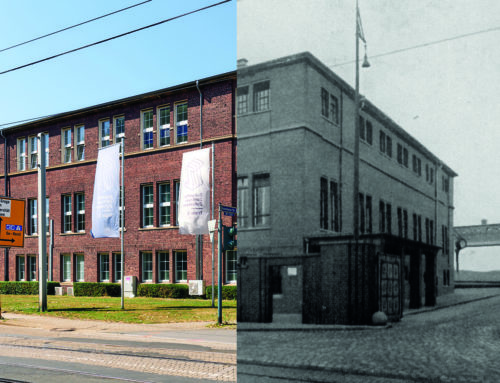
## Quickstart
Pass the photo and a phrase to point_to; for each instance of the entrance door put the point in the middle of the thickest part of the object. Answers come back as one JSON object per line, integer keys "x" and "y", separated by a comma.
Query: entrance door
{"x": 286, "y": 293}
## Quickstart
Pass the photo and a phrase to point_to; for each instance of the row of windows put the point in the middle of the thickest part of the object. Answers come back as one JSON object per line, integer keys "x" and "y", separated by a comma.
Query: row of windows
{"x": 73, "y": 139}
{"x": 329, "y": 106}
{"x": 163, "y": 202}
{"x": 261, "y": 100}
{"x": 260, "y": 203}
{"x": 73, "y": 267}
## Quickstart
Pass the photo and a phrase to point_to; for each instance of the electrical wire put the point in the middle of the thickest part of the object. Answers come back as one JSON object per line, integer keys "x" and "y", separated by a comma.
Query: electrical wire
{"x": 73, "y": 26}
{"x": 114, "y": 37}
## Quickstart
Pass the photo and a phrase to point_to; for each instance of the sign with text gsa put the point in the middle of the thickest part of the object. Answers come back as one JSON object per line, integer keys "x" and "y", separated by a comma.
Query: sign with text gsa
{"x": 194, "y": 199}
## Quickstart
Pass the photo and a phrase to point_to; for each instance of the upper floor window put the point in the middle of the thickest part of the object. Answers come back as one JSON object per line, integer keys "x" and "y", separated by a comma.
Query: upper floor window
{"x": 405, "y": 157}
{"x": 147, "y": 129}
{"x": 242, "y": 100}
{"x": 445, "y": 184}
{"x": 261, "y": 96}
{"x": 21, "y": 154}
{"x": 80, "y": 142}
{"x": 323, "y": 204}
{"x": 104, "y": 133}
{"x": 261, "y": 200}
{"x": 147, "y": 206}
{"x": 181, "y": 122}
{"x": 66, "y": 145}
{"x": 324, "y": 102}
{"x": 119, "y": 127}
{"x": 365, "y": 130}
{"x": 80, "y": 212}
{"x": 385, "y": 217}
{"x": 334, "y": 108}
{"x": 242, "y": 203}
{"x": 164, "y": 204}
{"x": 67, "y": 214}
{"x": 33, "y": 151}
{"x": 177, "y": 186}
{"x": 417, "y": 165}
{"x": 164, "y": 125}
{"x": 32, "y": 217}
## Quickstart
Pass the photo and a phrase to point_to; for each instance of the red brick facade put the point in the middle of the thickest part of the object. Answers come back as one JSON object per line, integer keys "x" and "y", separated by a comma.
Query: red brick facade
{"x": 154, "y": 166}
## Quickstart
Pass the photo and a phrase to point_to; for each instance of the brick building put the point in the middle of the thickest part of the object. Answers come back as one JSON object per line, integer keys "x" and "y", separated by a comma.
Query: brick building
{"x": 158, "y": 127}
{"x": 295, "y": 201}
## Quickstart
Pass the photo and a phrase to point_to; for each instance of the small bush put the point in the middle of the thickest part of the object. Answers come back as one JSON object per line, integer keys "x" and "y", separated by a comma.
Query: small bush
{"x": 26, "y": 288}
{"x": 228, "y": 292}
{"x": 160, "y": 290}
{"x": 96, "y": 289}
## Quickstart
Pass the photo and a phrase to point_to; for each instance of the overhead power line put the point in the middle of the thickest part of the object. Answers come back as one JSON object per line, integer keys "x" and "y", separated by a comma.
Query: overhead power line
{"x": 114, "y": 37}
{"x": 424, "y": 45}
{"x": 73, "y": 26}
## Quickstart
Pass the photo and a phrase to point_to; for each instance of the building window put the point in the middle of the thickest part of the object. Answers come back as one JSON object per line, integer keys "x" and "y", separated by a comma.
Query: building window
{"x": 261, "y": 200}
{"x": 119, "y": 128}
{"x": 66, "y": 268}
{"x": 33, "y": 152}
{"x": 177, "y": 185}
{"x": 66, "y": 145}
{"x": 163, "y": 266}
{"x": 147, "y": 206}
{"x": 104, "y": 133}
{"x": 323, "y": 224}
{"x": 324, "y": 102}
{"x": 181, "y": 122}
{"x": 334, "y": 108}
{"x": 445, "y": 239}
{"x": 382, "y": 140}
{"x": 445, "y": 184}
{"x": 80, "y": 268}
{"x": 231, "y": 258}
{"x": 334, "y": 207}
{"x": 261, "y": 96}
{"x": 242, "y": 100}
{"x": 80, "y": 142}
{"x": 369, "y": 132}
{"x": 80, "y": 212}
{"x": 365, "y": 130}
{"x": 242, "y": 203}
{"x": 361, "y": 213}
{"x": 405, "y": 223}
{"x": 388, "y": 146}
{"x": 385, "y": 217}
{"x": 388, "y": 210}
{"x": 147, "y": 129}
{"x": 362, "y": 128}
{"x": 180, "y": 266}
{"x": 21, "y": 154}
{"x": 20, "y": 268}
{"x": 417, "y": 165}
{"x": 104, "y": 267}
{"x": 67, "y": 214}
{"x": 117, "y": 266}
{"x": 431, "y": 178}
{"x": 164, "y": 204}
{"x": 405, "y": 157}
{"x": 147, "y": 266}
{"x": 33, "y": 217}
{"x": 368, "y": 215}
{"x": 164, "y": 125}
{"x": 400, "y": 154}
{"x": 32, "y": 268}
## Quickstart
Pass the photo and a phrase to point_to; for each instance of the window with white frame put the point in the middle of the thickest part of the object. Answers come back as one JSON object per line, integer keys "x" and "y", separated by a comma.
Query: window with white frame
{"x": 104, "y": 267}
{"x": 104, "y": 133}
{"x": 80, "y": 142}
{"x": 66, "y": 145}
{"x": 80, "y": 267}
{"x": 67, "y": 213}
{"x": 323, "y": 201}
{"x": 119, "y": 128}
{"x": 21, "y": 154}
{"x": 180, "y": 257}
{"x": 117, "y": 266}
{"x": 177, "y": 185}
{"x": 261, "y": 96}
{"x": 231, "y": 258}
{"x": 20, "y": 268}
{"x": 147, "y": 266}
{"x": 261, "y": 200}
{"x": 80, "y": 212}
{"x": 181, "y": 122}
{"x": 147, "y": 206}
{"x": 242, "y": 202}
{"x": 33, "y": 151}
{"x": 164, "y": 204}
{"x": 164, "y": 125}
{"x": 242, "y": 100}
{"x": 163, "y": 266}
{"x": 66, "y": 267}
{"x": 147, "y": 129}
{"x": 33, "y": 216}
{"x": 32, "y": 267}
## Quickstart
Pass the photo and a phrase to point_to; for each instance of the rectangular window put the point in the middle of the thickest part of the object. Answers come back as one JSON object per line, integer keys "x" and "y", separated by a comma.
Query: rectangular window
{"x": 400, "y": 222}
{"x": 362, "y": 128}
{"x": 147, "y": 266}
{"x": 117, "y": 266}
{"x": 104, "y": 267}
{"x": 119, "y": 128}
{"x": 163, "y": 266}
{"x": 432, "y": 175}
{"x": 181, "y": 122}
{"x": 388, "y": 146}
{"x": 180, "y": 266}
{"x": 66, "y": 145}
{"x": 415, "y": 227}
{"x": 33, "y": 151}
{"x": 405, "y": 223}
{"x": 334, "y": 207}
{"x": 361, "y": 209}
{"x": 261, "y": 96}
{"x": 242, "y": 100}
{"x": 20, "y": 268}
{"x": 334, "y": 108}
{"x": 324, "y": 102}
{"x": 381, "y": 218}
{"x": 427, "y": 173}
{"x": 67, "y": 214}
{"x": 368, "y": 215}
{"x": 369, "y": 132}
{"x": 419, "y": 226}
{"x": 242, "y": 203}
{"x": 261, "y": 200}
{"x": 80, "y": 212}
{"x": 66, "y": 267}
{"x": 80, "y": 267}
{"x": 419, "y": 166}
{"x": 388, "y": 209}
{"x": 80, "y": 142}
{"x": 164, "y": 125}
{"x": 164, "y": 204}
{"x": 382, "y": 141}
{"x": 177, "y": 185}
{"x": 21, "y": 154}
{"x": 104, "y": 133}
{"x": 147, "y": 206}
{"x": 405, "y": 157}
{"x": 400, "y": 154}
{"x": 414, "y": 162}
{"x": 32, "y": 268}
{"x": 231, "y": 258}
{"x": 32, "y": 216}
{"x": 147, "y": 129}
{"x": 323, "y": 203}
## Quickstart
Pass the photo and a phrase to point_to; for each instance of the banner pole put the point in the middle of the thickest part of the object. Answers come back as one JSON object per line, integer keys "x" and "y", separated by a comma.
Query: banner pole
{"x": 122, "y": 224}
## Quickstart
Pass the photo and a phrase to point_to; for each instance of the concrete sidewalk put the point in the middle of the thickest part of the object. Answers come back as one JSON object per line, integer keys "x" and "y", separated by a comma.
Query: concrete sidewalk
{"x": 459, "y": 297}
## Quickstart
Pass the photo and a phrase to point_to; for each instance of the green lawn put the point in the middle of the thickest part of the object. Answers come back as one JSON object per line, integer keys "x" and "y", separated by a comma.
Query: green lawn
{"x": 137, "y": 310}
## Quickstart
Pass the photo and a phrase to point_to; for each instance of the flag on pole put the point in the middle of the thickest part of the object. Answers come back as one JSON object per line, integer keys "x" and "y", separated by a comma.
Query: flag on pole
{"x": 359, "y": 26}
{"x": 105, "y": 204}
{"x": 194, "y": 199}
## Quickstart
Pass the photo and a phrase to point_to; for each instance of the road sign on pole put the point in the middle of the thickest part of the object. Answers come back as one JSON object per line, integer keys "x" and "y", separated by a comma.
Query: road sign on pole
{"x": 228, "y": 210}
{"x": 12, "y": 222}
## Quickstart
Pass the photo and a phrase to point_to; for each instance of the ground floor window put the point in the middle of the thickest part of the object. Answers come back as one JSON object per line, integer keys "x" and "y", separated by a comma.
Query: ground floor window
{"x": 163, "y": 266}
{"x": 147, "y": 266}
{"x": 104, "y": 267}
{"x": 180, "y": 265}
{"x": 80, "y": 267}
{"x": 231, "y": 257}
{"x": 32, "y": 267}
{"x": 117, "y": 266}
{"x": 66, "y": 267}
{"x": 20, "y": 268}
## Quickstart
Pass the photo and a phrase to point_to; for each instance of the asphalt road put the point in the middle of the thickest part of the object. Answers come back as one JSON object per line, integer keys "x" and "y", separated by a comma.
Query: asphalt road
{"x": 455, "y": 344}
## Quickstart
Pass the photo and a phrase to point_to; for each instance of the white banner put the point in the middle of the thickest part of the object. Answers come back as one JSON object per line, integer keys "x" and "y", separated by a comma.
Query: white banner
{"x": 194, "y": 198}
{"x": 105, "y": 204}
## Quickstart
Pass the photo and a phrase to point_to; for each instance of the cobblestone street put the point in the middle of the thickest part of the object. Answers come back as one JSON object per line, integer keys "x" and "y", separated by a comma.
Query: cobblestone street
{"x": 453, "y": 344}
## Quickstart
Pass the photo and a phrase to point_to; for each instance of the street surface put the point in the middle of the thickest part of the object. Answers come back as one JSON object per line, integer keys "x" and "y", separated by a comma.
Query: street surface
{"x": 454, "y": 344}
{"x": 44, "y": 349}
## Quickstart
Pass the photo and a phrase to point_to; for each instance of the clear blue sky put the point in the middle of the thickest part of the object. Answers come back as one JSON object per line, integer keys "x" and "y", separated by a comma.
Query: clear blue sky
{"x": 193, "y": 47}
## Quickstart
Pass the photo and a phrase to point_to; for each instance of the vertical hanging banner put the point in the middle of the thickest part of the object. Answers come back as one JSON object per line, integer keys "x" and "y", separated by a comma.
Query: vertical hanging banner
{"x": 105, "y": 204}
{"x": 194, "y": 199}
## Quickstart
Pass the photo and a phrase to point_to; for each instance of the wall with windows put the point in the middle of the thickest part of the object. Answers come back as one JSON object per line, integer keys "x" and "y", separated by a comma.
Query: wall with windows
{"x": 157, "y": 128}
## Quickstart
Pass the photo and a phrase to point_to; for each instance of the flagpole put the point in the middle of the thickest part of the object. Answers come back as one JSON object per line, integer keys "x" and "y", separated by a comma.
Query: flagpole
{"x": 122, "y": 224}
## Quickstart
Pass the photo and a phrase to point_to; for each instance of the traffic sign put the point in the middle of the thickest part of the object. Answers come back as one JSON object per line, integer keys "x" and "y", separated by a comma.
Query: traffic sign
{"x": 228, "y": 210}
{"x": 12, "y": 222}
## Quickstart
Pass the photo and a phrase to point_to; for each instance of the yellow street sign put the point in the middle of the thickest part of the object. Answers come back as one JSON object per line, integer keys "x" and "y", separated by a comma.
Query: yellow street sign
{"x": 12, "y": 222}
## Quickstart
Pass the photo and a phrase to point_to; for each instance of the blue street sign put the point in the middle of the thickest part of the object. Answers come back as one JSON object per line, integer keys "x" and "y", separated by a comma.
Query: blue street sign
{"x": 228, "y": 210}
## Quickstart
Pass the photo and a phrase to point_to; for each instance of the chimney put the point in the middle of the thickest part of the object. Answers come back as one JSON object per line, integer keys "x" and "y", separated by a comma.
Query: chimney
{"x": 484, "y": 222}
{"x": 241, "y": 63}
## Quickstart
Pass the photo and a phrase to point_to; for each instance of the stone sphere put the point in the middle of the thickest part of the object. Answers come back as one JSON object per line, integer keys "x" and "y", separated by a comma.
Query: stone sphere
{"x": 379, "y": 318}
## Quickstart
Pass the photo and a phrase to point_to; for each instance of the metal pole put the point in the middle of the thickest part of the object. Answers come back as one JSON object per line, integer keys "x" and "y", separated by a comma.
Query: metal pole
{"x": 122, "y": 224}
{"x": 219, "y": 260}
{"x": 42, "y": 227}
{"x": 212, "y": 217}
{"x": 355, "y": 212}
{"x": 199, "y": 237}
